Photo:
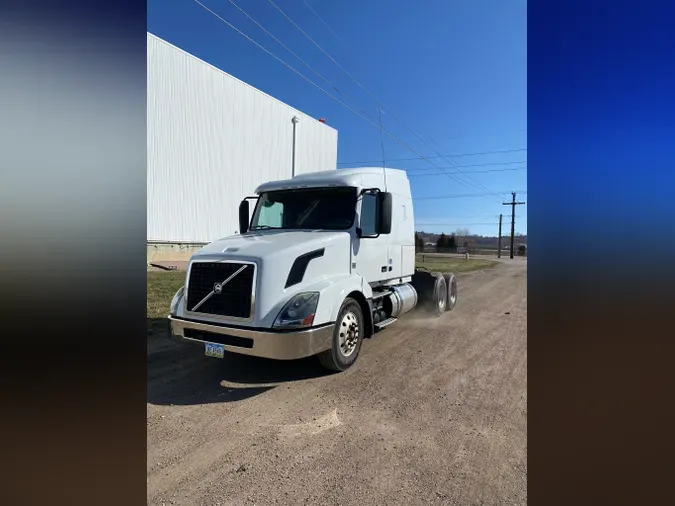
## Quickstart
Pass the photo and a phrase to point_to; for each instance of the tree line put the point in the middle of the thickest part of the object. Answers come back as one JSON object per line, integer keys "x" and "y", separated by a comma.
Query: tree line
{"x": 463, "y": 239}
{"x": 444, "y": 242}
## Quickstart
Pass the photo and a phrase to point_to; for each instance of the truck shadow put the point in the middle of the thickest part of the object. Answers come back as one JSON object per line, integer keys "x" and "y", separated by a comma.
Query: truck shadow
{"x": 180, "y": 374}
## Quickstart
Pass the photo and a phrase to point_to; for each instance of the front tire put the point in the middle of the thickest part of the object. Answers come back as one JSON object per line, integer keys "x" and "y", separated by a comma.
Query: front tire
{"x": 347, "y": 338}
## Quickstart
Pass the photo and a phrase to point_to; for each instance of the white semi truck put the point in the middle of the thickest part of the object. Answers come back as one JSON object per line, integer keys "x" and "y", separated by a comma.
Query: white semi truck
{"x": 327, "y": 260}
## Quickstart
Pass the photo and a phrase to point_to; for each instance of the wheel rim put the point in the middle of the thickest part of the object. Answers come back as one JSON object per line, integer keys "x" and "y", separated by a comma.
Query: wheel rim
{"x": 348, "y": 336}
{"x": 441, "y": 299}
{"x": 453, "y": 293}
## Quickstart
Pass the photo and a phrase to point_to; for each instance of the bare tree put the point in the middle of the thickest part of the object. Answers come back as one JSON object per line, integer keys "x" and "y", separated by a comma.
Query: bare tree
{"x": 462, "y": 235}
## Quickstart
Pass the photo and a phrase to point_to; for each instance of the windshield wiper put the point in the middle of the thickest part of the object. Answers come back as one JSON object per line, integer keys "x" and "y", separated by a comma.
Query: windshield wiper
{"x": 301, "y": 220}
{"x": 264, "y": 227}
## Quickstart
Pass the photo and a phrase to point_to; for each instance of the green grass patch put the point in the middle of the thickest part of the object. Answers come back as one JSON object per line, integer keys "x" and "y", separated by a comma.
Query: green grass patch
{"x": 162, "y": 286}
{"x": 454, "y": 265}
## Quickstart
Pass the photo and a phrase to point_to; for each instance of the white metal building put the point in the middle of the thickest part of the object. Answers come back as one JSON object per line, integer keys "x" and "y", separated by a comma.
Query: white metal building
{"x": 211, "y": 140}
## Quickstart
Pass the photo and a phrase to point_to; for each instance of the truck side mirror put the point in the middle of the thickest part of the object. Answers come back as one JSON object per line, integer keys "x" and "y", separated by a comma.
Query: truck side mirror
{"x": 384, "y": 202}
{"x": 244, "y": 217}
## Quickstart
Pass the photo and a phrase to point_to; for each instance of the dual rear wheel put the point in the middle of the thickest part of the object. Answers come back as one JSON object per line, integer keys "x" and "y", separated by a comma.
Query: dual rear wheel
{"x": 437, "y": 292}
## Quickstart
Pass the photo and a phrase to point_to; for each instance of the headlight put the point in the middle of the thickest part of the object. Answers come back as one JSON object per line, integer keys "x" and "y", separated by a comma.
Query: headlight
{"x": 176, "y": 300}
{"x": 299, "y": 312}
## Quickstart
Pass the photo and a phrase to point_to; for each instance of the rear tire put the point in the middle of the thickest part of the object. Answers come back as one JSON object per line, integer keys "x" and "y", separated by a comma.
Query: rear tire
{"x": 432, "y": 290}
{"x": 451, "y": 283}
{"x": 347, "y": 338}
{"x": 439, "y": 300}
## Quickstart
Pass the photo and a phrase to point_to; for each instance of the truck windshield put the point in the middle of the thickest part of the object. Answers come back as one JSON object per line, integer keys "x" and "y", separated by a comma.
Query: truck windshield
{"x": 313, "y": 208}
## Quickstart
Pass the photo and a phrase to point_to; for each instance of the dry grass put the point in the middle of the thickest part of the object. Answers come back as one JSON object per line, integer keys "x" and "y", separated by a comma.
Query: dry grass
{"x": 454, "y": 265}
{"x": 162, "y": 286}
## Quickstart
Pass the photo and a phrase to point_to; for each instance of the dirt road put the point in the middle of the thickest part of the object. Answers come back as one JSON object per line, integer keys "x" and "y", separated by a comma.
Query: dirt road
{"x": 433, "y": 412}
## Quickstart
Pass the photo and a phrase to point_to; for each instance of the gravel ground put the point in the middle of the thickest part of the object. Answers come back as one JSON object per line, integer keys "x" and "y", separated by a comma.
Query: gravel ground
{"x": 433, "y": 412}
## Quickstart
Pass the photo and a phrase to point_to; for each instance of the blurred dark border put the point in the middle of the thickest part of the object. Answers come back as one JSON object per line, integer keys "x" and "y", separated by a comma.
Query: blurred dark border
{"x": 601, "y": 217}
{"x": 72, "y": 254}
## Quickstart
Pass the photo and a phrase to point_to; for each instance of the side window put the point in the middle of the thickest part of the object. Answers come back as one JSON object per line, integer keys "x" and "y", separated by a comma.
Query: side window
{"x": 271, "y": 214}
{"x": 368, "y": 214}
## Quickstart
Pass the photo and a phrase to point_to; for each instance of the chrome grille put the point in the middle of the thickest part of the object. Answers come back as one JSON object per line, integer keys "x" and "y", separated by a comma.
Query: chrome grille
{"x": 235, "y": 297}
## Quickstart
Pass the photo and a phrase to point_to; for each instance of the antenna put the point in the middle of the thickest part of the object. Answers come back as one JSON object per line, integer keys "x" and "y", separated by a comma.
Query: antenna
{"x": 384, "y": 170}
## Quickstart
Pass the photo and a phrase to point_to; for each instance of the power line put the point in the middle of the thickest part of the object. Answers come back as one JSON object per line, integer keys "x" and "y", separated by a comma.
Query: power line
{"x": 321, "y": 19}
{"x": 464, "y": 136}
{"x": 276, "y": 39}
{"x": 457, "y": 155}
{"x": 461, "y": 224}
{"x": 351, "y": 76}
{"x": 472, "y": 172}
{"x": 290, "y": 67}
{"x": 484, "y": 134}
{"x": 475, "y": 217}
{"x": 442, "y": 197}
{"x": 476, "y": 165}
{"x": 288, "y": 18}
{"x": 327, "y": 81}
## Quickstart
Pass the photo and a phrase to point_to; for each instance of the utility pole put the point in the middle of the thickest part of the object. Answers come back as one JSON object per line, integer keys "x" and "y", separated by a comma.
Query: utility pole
{"x": 499, "y": 238}
{"x": 513, "y": 205}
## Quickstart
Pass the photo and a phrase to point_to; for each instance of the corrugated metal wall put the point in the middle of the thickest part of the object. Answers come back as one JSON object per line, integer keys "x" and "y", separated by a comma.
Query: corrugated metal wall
{"x": 211, "y": 140}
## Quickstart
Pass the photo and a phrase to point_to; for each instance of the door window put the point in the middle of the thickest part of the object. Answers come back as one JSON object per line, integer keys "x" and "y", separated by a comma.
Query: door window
{"x": 368, "y": 214}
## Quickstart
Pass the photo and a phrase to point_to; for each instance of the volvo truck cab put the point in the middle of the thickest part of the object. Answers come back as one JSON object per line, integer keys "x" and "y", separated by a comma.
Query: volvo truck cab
{"x": 325, "y": 260}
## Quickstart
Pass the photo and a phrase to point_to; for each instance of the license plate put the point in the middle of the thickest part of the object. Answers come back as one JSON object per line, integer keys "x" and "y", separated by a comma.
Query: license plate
{"x": 215, "y": 350}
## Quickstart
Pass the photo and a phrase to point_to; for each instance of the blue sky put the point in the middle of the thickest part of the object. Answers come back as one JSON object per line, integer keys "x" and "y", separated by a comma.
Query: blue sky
{"x": 454, "y": 72}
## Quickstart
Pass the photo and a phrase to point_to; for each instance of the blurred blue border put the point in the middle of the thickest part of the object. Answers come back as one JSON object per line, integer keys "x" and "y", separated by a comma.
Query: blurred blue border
{"x": 601, "y": 132}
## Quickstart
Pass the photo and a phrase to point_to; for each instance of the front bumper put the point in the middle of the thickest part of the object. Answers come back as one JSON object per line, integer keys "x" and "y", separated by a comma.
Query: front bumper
{"x": 258, "y": 343}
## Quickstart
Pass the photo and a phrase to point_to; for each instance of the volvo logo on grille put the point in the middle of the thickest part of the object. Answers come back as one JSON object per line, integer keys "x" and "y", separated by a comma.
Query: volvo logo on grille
{"x": 218, "y": 288}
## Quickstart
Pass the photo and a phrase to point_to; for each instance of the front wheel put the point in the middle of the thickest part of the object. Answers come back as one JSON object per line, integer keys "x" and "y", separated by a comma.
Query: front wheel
{"x": 347, "y": 338}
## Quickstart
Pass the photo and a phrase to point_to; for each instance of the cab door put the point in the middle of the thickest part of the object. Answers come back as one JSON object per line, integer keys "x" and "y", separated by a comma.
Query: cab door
{"x": 371, "y": 254}
{"x": 397, "y": 239}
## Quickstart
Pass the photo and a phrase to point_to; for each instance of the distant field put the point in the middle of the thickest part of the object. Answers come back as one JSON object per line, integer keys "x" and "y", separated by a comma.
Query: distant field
{"x": 482, "y": 252}
{"x": 453, "y": 264}
{"x": 488, "y": 252}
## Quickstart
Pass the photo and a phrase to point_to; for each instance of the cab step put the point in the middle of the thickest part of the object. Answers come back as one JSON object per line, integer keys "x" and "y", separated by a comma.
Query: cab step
{"x": 385, "y": 323}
